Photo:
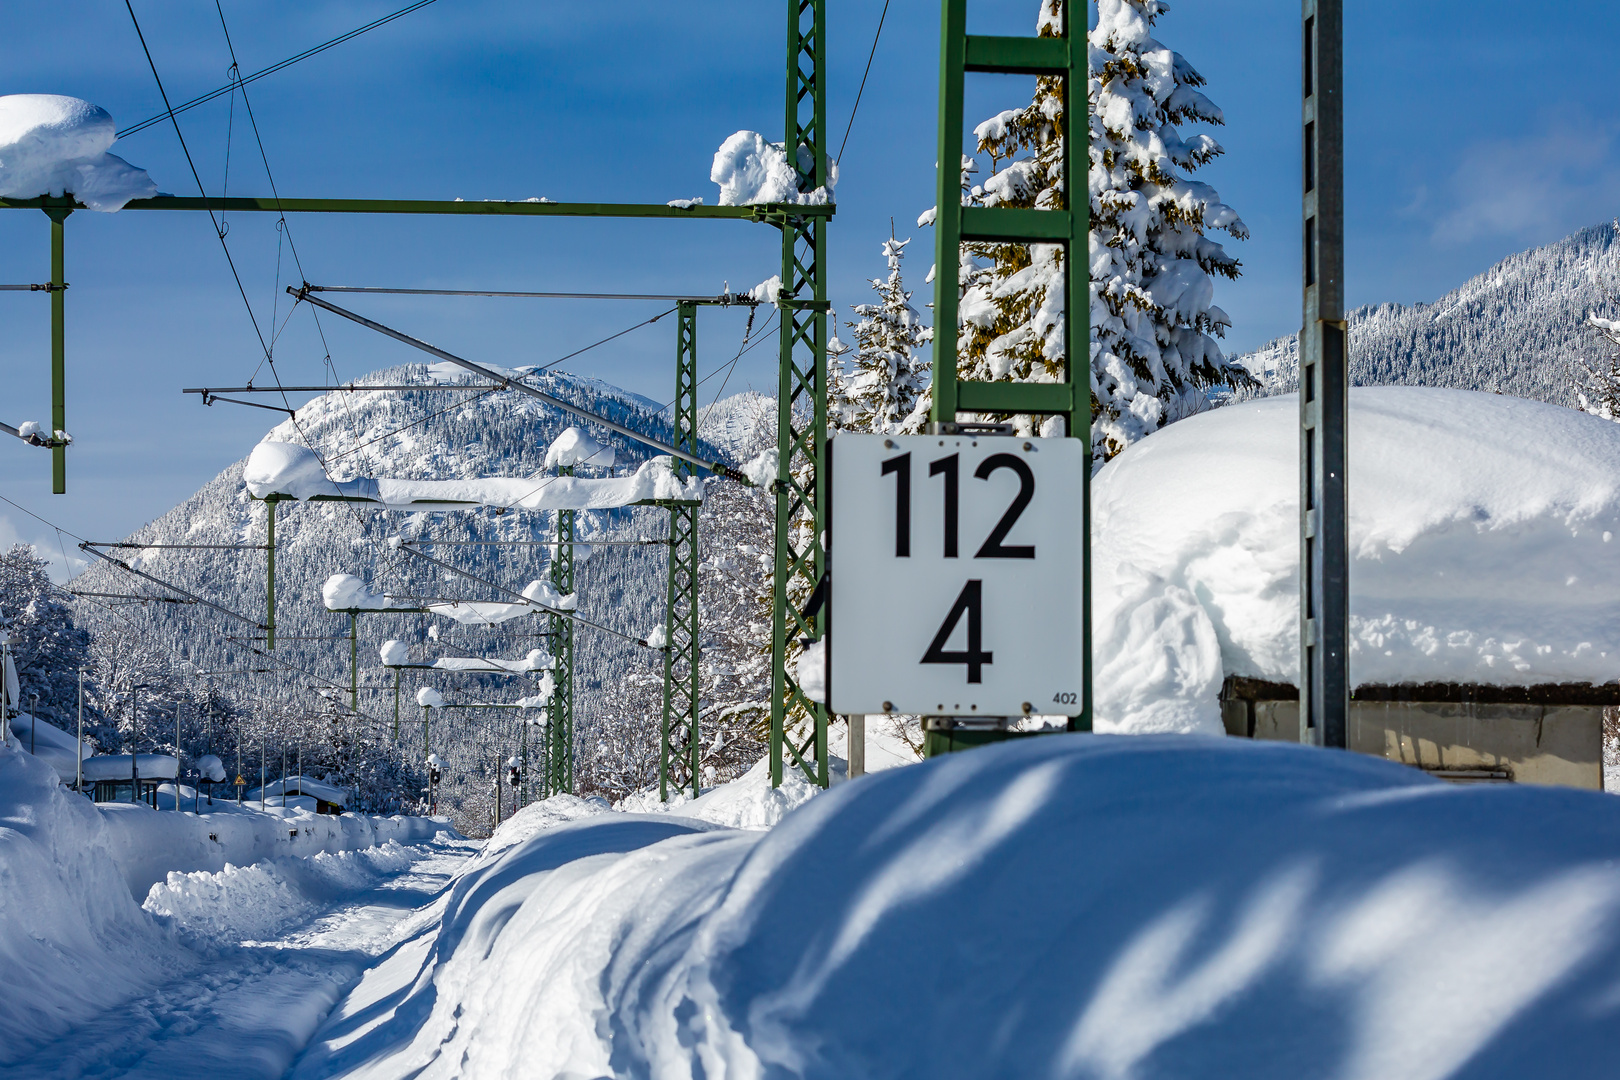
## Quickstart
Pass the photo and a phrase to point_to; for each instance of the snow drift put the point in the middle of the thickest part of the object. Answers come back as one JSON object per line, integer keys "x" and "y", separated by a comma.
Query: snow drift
{"x": 74, "y": 939}
{"x": 1117, "y": 908}
{"x": 1482, "y": 541}
{"x": 55, "y": 145}
{"x": 222, "y": 908}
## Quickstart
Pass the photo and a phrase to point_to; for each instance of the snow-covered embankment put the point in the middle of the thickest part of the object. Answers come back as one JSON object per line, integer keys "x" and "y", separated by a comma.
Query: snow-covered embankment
{"x": 75, "y": 940}
{"x": 152, "y": 844}
{"x": 1072, "y": 906}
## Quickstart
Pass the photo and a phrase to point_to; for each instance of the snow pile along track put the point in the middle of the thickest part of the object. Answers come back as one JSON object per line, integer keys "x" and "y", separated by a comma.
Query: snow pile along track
{"x": 1107, "y": 907}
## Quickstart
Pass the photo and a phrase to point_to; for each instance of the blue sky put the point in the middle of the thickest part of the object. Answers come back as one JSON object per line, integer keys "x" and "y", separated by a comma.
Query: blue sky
{"x": 1472, "y": 132}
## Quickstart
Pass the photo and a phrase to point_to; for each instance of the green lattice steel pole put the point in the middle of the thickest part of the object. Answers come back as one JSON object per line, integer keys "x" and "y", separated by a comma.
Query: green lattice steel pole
{"x": 1056, "y": 56}
{"x": 682, "y": 747}
{"x": 58, "y": 216}
{"x": 270, "y": 575}
{"x": 801, "y": 417}
{"x": 543, "y": 762}
{"x": 562, "y": 649}
{"x": 354, "y": 662}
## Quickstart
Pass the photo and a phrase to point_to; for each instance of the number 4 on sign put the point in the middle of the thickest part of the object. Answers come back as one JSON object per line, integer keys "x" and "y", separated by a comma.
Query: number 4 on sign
{"x": 956, "y": 576}
{"x": 970, "y": 602}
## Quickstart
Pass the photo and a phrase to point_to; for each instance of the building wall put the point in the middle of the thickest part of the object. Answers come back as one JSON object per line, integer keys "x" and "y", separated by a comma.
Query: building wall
{"x": 1533, "y": 744}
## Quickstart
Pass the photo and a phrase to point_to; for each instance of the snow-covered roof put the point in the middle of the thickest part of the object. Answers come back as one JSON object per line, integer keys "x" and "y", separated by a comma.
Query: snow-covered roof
{"x": 302, "y": 785}
{"x": 290, "y": 471}
{"x": 1483, "y": 540}
{"x": 118, "y": 767}
{"x": 50, "y": 744}
{"x": 54, "y": 145}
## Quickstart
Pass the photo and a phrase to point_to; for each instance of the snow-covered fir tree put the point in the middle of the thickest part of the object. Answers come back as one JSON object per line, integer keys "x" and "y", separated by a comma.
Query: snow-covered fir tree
{"x": 1153, "y": 320}
{"x": 1597, "y": 384}
{"x": 1152, "y": 263}
{"x": 47, "y": 647}
{"x": 888, "y": 376}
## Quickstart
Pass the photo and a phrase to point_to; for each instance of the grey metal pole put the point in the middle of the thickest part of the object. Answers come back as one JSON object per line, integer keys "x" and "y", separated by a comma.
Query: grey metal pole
{"x": 1324, "y": 625}
{"x": 78, "y": 751}
{"x": 177, "y": 757}
{"x": 857, "y": 745}
{"x": 135, "y": 744}
{"x": 33, "y": 725}
{"x": 263, "y": 777}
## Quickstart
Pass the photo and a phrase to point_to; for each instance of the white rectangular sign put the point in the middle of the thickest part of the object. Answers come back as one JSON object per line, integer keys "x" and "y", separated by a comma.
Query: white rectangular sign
{"x": 956, "y": 582}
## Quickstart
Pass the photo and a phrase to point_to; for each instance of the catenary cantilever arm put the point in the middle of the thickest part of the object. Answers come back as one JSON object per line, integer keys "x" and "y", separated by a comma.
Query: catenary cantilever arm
{"x": 509, "y": 383}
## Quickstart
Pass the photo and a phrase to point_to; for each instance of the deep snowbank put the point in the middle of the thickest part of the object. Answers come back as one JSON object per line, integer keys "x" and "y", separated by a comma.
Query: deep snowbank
{"x": 152, "y": 843}
{"x": 1482, "y": 537}
{"x": 254, "y": 902}
{"x": 748, "y": 802}
{"x": 72, "y": 938}
{"x": 75, "y": 941}
{"x": 1072, "y": 906}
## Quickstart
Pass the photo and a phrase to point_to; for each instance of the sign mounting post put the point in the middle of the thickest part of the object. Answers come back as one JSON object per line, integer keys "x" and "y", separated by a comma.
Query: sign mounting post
{"x": 1060, "y": 54}
{"x": 1324, "y": 387}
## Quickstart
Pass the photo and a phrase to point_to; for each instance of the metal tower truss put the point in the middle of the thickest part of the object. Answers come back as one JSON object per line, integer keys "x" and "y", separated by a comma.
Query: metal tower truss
{"x": 1060, "y": 57}
{"x": 681, "y": 748}
{"x": 798, "y": 723}
{"x": 560, "y": 730}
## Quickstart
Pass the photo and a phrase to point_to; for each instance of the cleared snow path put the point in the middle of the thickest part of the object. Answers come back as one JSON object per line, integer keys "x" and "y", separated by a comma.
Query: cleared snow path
{"x": 247, "y": 1006}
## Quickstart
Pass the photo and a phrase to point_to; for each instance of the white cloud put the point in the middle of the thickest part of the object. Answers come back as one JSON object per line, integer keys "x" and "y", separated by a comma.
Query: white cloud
{"x": 1533, "y": 187}
{"x": 54, "y": 550}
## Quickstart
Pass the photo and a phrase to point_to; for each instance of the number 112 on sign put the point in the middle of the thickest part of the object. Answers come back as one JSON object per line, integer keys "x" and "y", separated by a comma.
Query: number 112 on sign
{"x": 956, "y": 575}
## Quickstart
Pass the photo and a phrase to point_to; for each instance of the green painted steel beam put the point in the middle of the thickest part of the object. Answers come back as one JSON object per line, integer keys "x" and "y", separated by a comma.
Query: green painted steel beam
{"x": 560, "y": 729}
{"x": 58, "y": 290}
{"x": 798, "y": 733}
{"x": 1007, "y": 397}
{"x": 1016, "y": 55}
{"x": 1062, "y": 55}
{"x": 681, "y": 742}
{"x": 270, "y": 574}
{"x": 995, "y": 225}
{"x": 764, "y": 212}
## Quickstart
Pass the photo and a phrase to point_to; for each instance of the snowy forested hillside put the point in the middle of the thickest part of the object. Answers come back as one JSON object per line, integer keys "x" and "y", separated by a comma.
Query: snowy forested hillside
{"x": 1513, "y": 329}
{"x": 439, "y": 434}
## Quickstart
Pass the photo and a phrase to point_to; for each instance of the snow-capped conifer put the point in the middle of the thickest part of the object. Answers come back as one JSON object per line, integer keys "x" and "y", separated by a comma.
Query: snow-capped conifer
{"x": 840, "y": 405}
{"x": 1153, "y": 321}
{"x": 1597, "y": 386}
{"x": 888, "y": 377}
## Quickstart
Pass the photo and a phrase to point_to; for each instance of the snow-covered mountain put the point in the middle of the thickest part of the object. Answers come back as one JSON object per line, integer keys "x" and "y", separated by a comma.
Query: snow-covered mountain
{"x": 440, "y": 434}
{"x": 1513, "y": 329}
